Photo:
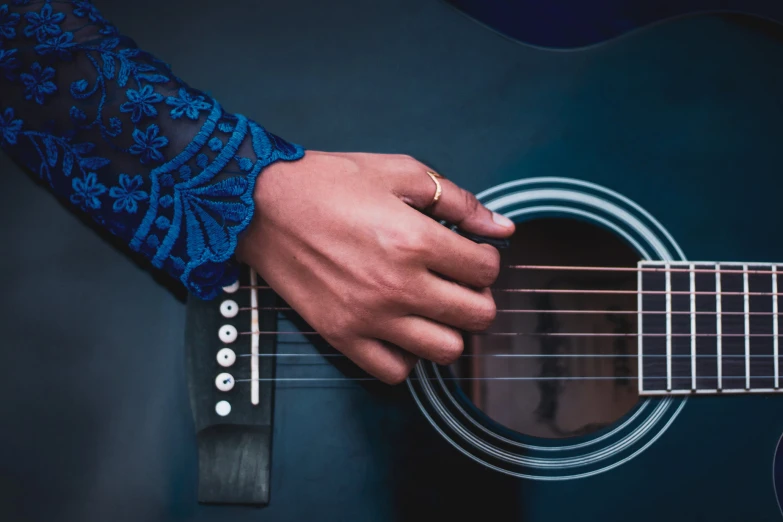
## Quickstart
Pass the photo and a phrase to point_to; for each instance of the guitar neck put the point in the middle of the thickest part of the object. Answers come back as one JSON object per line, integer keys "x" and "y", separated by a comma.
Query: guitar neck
{"x": 708, "y": 328}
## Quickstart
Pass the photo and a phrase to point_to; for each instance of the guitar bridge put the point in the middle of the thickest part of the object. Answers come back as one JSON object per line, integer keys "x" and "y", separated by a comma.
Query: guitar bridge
{"x": 230, "y": 374}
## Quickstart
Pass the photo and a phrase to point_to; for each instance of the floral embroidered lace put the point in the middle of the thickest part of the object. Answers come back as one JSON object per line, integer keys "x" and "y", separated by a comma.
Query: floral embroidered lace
{"x": 116, "y": 134}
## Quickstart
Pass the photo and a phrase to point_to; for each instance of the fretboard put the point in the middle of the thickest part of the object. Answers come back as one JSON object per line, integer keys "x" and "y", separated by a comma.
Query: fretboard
{"x": 708, "y": 328}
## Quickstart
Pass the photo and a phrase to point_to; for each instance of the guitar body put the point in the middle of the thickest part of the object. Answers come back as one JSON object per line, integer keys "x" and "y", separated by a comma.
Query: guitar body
{"x": 679, "y": 125}
{"x": 566, "y": 24}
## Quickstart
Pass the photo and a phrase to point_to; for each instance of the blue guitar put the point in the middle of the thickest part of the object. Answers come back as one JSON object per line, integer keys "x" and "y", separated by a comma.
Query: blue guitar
{"x": 634, "y": 371}
{"x": 626, "y": 376}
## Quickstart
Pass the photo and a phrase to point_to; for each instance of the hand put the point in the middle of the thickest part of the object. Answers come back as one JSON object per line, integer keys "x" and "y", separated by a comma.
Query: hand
{"x": 342, "y": 239}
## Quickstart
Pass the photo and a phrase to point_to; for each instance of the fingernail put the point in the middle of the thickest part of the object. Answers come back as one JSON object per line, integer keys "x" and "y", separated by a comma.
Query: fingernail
{"x": 502, "y": 220}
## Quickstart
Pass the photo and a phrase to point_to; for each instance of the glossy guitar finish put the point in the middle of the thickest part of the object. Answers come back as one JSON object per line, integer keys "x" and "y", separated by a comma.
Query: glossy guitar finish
{"x": 683, "y": 118}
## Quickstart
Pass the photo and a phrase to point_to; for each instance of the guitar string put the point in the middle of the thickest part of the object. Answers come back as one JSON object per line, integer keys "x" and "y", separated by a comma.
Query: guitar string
{"x": 681, "y": 356}
{"x": 686, "y": 357}
{"x": 628, "y": 292}
{"x": 539, "y": 355}
{"x": 551, "y": 334}
{"x": 677, "y": 267}
{"x": 553, "y": 311}
{"x": 669, "y": 269}
{"x": 510, "y": 378}
{"x": 605, "y": 292}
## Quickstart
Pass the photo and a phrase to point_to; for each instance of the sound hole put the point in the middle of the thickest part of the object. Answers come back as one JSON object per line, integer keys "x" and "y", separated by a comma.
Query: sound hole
{"x": 570, "y": 385}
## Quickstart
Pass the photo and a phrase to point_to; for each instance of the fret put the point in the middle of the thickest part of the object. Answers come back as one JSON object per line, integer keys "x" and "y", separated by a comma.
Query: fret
{"x": 668, "y": 328}
{"x": 775, "y": 324}
{"x": 718, "y": 326}
{"x": 693, "y": 325}
{"x": 761, "y": 330}
{"x": 732, "y": 302}
{"x": 746, "y": 308}
{"x": 680, "y": 330}
{"x": 706, "y": 327}
{"x": 654, "y": 362}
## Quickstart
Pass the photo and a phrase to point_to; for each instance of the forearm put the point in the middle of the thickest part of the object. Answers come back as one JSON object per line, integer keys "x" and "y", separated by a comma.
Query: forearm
{"x": 118, "y": 136}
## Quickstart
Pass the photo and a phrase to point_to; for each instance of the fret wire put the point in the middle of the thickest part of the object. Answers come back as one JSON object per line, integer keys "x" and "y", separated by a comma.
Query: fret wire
{"x": 693, "y": 325}
{"x": 718, "y": 327}
{"x": 668, "y": 328}
{"x": 639, "y": 342}
{"x": 746, "y": 304}
{"x": 775, "y": 323}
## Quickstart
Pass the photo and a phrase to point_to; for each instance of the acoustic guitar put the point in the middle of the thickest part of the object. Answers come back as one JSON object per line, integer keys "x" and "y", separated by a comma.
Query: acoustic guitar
{"x": 634, "y": 368}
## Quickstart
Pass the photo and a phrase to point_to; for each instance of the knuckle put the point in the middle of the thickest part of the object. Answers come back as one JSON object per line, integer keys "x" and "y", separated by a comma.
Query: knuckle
{"x": 388, "y": 288}
{"x": 408, "y": 162}
{"x": 472, "y": 204}
{"x": 402, "y": 241}
{"x": 414, "y": 240}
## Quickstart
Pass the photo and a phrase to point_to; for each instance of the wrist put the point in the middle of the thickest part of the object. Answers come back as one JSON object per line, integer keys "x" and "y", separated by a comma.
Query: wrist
{"x": 266, "y": 199}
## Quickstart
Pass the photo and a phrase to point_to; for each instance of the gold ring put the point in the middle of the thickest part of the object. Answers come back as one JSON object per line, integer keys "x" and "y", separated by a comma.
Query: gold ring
{"x": 438, "y": 189}
{"x": 433, "y": 173}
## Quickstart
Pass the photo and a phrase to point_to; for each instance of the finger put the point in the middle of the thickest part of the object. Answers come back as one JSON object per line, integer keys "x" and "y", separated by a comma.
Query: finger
{"x": 458, "y": 258}
{"x": 425, "y": 338}
{"x": 455, "y": 204}
{"x": 383, "y": 361}
{"x": 461, "y": 207}
{"x": 455, "y": 305}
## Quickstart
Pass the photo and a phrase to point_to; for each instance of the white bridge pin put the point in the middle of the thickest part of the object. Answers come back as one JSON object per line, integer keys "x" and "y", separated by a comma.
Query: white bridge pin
{"x": 226, "y": 357}
{"x": 228, "y": 333}
{"x": 224, "y": 382}
{"x": 223, "y": 408}
{"x": 231, "y": 288}
{"x": 229, "y": 309}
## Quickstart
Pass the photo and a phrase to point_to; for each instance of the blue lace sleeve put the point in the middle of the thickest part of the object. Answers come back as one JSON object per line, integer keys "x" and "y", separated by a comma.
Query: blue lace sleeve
{"x": 119, "y": 137}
